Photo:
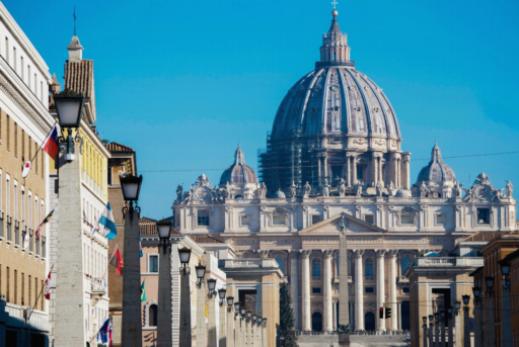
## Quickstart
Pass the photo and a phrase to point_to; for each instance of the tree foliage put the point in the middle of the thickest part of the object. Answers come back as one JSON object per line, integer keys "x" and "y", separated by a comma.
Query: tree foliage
{"x": 286, "y": 331}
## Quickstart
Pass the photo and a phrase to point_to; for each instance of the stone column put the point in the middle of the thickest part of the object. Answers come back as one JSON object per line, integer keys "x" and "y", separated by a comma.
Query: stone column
{"x": 185, "y": 307}
{"x": 70, "y": 312}
{"x": 347, "y": 171}
{"x": 222, "y": 321}
{"x": 393, "y": 301}
{"x": 327, "y": 292}
{"x": 212, "y": 340}
{"x": 353, "y": 169}
{"x": 305, "y": 297}
{"x": 359, "y": 291}
{"x": 294, "y": 287}
{"x": 407, "y": 171}
{"x": 381, "y": 294}
{"x": 164, "y": 332}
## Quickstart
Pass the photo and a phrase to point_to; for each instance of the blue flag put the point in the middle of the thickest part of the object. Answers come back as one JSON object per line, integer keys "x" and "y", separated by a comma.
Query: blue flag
{"x": 107, "y": 224}
{"x": 104, "y": 336}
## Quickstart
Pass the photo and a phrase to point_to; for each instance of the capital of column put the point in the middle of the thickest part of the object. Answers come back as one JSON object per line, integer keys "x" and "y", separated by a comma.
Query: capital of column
{"x": 305, "y": 253}
{"x": 380, "y": 252}
{"x": 393, "y": 253}
{"x": 358, "y": 252}
{"x": 328, "y": 253}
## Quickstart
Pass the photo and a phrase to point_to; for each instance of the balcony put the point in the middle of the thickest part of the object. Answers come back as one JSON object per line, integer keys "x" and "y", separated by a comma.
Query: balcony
{"x": 449, "y": 261}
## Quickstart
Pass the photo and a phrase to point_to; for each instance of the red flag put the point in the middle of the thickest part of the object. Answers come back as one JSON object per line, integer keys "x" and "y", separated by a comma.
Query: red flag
{"x": 117, "y": 261}
{"x": 46, "y": 289}
{"x": 50, "y": 145}
{"x": 45, "y": 220}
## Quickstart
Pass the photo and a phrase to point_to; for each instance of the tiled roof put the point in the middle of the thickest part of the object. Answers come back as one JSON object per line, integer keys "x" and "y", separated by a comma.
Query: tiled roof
{"x": 79, "y": 77}
{"x": 117, "y": 147}
{"x": 148, "y": 227}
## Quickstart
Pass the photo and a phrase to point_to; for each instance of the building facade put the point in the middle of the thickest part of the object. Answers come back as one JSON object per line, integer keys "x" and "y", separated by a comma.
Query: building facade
{"x": 24, "y": 124}
{"x": 334, "y": 163}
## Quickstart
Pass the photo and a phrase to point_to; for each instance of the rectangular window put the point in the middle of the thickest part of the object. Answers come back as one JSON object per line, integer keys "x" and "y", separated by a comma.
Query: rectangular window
{"x": 15, "y": 140}
{"x": 153, "y": 263}
{"x": 15, "y": 291}
{"x": 203, "y": 217}
{"x": 483, "y": 216}
{"x": 244, "y": 220}
{"x": 14, "y": 60}
{"x": 407, "y": 216}
{"x": 369, "y": 289}
{"x": 369, "y": 218}
{"x": 316, "y": 218}
{"x": 8, "y": 284}
{"x": 8, "y": 132}
{"x": 43, "y": 247}
{"x": 29, "y": 282}
{"x": 279, "y": 218}
{"x": 439, "y": 218}
{"x": 23, "y": 288}
{"x": 7, "y": 49}
{"x": 23, "y": 144}
{"x": 316, "y": 290}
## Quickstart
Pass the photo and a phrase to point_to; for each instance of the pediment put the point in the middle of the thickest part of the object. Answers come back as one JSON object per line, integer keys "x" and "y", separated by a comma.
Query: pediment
{"x": 343, "y": 221}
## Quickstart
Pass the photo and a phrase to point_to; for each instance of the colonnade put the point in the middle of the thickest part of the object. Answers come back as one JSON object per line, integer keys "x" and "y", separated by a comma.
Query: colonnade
{"x": 385, "y": 282}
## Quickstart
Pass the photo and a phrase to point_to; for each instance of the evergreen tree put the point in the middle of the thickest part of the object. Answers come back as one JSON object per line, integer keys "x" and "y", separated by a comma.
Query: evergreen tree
{"x": 286, "y": 331}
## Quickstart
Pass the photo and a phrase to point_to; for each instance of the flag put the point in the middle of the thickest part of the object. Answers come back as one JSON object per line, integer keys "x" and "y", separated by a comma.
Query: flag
{"x": 117, "y": 261}
{"x": 144, "y": 297}
{"x": 107, "y": 224}
{"x": 26, "y": 169}
{"x": 141, "y": 252}
{"x": 46, "y": 288}
{"x": 104, "y": 336}
{"x": 45, "y": 220}
{"x": 50, "y": 145}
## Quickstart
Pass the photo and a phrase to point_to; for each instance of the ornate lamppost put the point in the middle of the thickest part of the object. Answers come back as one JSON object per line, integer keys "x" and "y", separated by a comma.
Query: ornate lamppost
{"x": 69, "y": 327}
{"x": 164, "y": 333}
{"x": 184, "y": 255}
{"x": 479, "y": 337}
{"x": 424, "y": 331}
{"x": 132, "y": 324}
{"x": 506, "y": 328}
{"x": 466, "y": 329}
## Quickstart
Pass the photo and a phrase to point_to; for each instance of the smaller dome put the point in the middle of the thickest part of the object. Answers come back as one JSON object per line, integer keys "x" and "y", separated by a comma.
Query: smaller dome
{"x": 436, "y": 172}
{"x": 239, "y": 173}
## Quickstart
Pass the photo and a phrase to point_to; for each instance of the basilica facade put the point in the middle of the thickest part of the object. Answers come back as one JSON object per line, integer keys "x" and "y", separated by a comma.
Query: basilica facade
{"x": 334, "y": 165}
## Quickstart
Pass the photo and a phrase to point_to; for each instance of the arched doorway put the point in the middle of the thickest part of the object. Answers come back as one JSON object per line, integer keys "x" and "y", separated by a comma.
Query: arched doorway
{"x": 369, "y": 321}
{"x": 404, "y": 309}
{"x": 317, "y": 321}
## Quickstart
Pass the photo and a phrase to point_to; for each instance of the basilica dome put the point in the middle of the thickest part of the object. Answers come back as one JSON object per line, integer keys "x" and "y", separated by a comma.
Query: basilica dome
{"x": 437, "y": 172}
{"x": 336, "y": 99}
{"x": 239, "y": 173}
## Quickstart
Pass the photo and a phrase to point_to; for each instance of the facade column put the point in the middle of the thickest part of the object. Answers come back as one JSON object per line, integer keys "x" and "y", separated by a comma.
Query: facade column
{"x": 359, "y": 291}
{"x": 407, "y": 171}
{"x": 393, "y": 301}
{"x": 305, "y": 295}
{"x": 381, "y": 170}
{"x": 347, "y": 171}
{"x": 381, "y": 294}
{"x": 353, "y": 169}
{"x": 164, "y": 314}
{"x": 295, "y": 287}
{"x": 327, "y": 292}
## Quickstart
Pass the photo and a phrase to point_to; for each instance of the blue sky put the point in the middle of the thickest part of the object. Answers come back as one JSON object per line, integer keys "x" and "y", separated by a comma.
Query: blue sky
{"x": 183, "y": 82}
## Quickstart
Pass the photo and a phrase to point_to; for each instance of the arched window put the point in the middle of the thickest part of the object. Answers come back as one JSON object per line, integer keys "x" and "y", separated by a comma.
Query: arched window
{"x": 369, "y": 270}
{"x": 316, "y": 268}
{"x": 152, "y": 317}
{"x": 405, "y": 263}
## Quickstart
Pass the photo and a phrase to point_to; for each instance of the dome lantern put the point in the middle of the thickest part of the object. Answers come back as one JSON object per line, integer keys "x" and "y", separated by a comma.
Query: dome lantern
{"x": 335, "y": 49}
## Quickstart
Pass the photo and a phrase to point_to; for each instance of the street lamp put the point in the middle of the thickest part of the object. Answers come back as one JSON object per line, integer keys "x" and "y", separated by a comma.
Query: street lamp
{"x": 184, "y": 254}
{"x": 200, "y": 273}
{"x": 477, "y": 294}
{"x": 236, "y": 308}
{"x": 131, "y": 187}
{"x": 221, "y": 294}
{"x": 505, "y": 271}
{"x": 465, "y": 299}
{"x": 69, "y": 106}
{"x": 164, "y": 229}
{"x": 489, "y": 281}
{"x": 211, "y": 286}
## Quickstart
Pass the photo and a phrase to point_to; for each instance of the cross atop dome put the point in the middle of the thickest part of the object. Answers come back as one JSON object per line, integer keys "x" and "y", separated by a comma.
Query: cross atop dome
{"x": 335, "y": 49}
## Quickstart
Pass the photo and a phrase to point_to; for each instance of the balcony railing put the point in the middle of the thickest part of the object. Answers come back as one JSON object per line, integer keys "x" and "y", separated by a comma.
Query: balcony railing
{"x": 449, "y": 261}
